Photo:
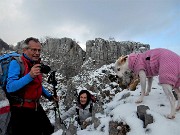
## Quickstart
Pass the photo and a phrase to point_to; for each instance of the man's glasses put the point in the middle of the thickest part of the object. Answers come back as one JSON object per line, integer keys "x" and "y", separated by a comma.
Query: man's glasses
{"x": 34, "y": 50}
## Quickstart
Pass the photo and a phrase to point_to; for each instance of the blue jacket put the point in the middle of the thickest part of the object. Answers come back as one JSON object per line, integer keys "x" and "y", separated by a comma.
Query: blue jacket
{"x": 14, "y": 83}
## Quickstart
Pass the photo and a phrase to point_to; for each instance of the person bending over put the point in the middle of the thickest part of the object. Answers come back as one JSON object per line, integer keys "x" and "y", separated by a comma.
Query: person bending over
{"x": 83, "y": 109}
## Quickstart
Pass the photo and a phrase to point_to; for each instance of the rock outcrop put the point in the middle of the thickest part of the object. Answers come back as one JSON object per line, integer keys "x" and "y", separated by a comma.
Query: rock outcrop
{"x": 67, "y": 57}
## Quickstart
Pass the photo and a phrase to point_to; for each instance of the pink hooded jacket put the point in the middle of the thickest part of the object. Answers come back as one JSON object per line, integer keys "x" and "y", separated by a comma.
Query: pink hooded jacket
{"x": 162, "y": 62}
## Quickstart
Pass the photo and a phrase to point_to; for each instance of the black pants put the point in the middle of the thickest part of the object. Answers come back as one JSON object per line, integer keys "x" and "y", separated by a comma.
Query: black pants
{"x": 25, "y": 121}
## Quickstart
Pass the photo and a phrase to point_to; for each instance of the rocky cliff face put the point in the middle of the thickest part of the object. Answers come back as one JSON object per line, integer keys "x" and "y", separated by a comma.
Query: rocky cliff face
{"x": 106, "y": 52}
{"x": 67, "y": 57}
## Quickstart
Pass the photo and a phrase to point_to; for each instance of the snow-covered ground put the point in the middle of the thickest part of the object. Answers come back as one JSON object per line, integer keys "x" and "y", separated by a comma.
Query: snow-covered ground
{"x": 125, "y": 111}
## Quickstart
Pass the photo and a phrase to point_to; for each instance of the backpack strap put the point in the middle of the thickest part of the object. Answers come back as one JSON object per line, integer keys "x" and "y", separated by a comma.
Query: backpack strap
{"x": 77, "y": 111}
{"x": 14, "y": 99}
{"x": 78, "y": 119}
{"x": 90, "y": 108}
{"x": 20, "y": 62}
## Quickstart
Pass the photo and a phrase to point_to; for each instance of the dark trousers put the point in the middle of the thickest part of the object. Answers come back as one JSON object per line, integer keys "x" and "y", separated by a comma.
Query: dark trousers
{"x": 25, "y": 121}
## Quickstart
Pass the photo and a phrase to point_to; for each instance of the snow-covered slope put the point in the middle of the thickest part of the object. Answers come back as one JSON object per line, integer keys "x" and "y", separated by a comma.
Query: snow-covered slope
{"x": 124, "y": 110}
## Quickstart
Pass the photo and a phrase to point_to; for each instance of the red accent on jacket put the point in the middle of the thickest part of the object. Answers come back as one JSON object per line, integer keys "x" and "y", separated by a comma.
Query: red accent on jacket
{"x": 4, "y": 109}
{"x": 33, "y": 90}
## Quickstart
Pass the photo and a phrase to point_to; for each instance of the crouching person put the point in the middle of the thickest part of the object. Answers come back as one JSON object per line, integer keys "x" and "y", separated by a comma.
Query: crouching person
{"x": 83, "y": 109}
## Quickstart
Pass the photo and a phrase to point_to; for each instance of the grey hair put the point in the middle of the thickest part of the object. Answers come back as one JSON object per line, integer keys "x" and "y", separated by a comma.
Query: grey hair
{"x": 26, "y": 42}
{"x": 25, "y": 46}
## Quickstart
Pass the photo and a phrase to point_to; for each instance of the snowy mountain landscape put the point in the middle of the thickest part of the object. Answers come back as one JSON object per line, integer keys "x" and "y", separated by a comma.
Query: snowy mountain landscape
{"x": 124, "y": 110}
{"x": 115, "y": 112}
{"x": 81, "y": 40}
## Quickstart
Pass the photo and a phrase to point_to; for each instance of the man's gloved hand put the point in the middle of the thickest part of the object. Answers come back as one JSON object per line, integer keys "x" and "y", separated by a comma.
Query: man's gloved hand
{"x": 55, "y": 98}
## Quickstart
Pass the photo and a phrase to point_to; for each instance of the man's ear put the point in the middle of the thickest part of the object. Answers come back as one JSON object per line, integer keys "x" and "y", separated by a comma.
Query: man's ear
{"x": 24, "y": 49}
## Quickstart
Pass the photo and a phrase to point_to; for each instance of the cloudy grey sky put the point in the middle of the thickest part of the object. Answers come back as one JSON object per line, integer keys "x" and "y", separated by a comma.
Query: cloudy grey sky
{"x": 154, "y": 22}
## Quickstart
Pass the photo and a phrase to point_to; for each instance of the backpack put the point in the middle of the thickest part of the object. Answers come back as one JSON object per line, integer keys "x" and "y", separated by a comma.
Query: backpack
{"x": 5, "y": 114}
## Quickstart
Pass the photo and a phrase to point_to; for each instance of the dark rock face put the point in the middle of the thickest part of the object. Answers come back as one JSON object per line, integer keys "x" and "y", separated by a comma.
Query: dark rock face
{"x": 67, "y": 57}
{"x": 141, "y": 113}
{"x": 118, "y": 128}
{"x": 106, "y": 52}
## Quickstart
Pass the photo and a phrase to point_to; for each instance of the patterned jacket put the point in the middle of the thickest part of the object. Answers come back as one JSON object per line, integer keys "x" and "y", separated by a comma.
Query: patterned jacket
{"x": 162, "y": 62}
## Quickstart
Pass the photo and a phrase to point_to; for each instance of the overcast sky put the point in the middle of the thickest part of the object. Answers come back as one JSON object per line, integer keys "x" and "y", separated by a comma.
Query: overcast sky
{"x": 154, "y": 22}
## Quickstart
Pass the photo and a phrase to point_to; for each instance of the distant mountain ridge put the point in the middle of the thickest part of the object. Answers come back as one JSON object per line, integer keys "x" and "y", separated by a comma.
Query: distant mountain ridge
{"x": 4, "y": 45}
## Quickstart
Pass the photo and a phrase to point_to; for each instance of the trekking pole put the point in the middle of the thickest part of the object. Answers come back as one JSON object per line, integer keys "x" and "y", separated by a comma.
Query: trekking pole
{"x": 52, "y": 80}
